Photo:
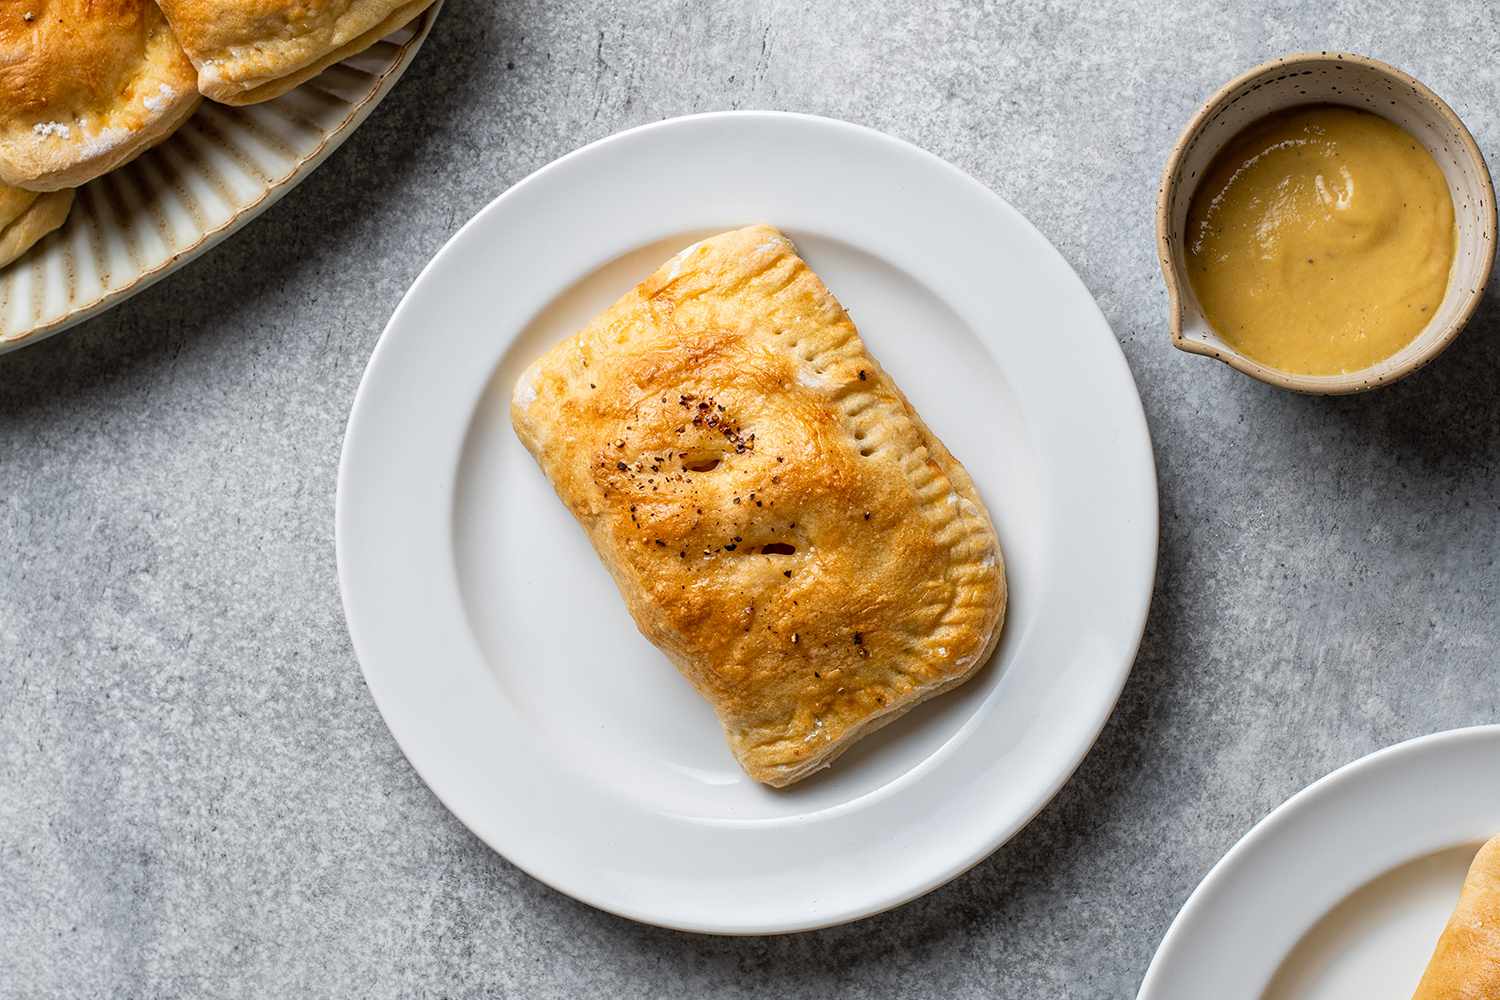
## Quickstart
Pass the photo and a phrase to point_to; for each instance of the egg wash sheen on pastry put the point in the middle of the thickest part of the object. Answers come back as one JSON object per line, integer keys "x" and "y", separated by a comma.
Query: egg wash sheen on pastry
{"x": 1321, "y": 239}
{"x": 779, "y": 521}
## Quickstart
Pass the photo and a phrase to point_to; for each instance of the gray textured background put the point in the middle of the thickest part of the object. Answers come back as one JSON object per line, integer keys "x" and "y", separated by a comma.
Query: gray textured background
{"x": 197, "y": 797}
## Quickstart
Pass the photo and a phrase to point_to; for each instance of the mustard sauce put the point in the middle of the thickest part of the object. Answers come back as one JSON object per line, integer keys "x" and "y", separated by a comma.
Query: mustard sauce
{"x": 1320, "y": 240}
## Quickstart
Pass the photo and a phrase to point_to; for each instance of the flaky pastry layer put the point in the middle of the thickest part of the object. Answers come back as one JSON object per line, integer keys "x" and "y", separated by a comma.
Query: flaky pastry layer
{"x": 26, "y": 216}
{"x": 13, "y": 202}
{"x": 778, "y": 519}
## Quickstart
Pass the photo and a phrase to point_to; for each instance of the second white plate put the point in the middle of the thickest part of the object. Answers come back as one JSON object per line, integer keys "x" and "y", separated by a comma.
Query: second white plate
{"x": 1341, "y": 893}
{"x": 503, "y": 659}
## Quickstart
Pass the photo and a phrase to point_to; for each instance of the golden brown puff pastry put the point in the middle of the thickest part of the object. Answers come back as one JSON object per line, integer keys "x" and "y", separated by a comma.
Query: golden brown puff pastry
{"x": 26, "y": 216}
{"x": 85, "y": 85}
{"x": 1466, "y": 963}
{"x": 779, "y": 521}
{"x": 248, "y": 51}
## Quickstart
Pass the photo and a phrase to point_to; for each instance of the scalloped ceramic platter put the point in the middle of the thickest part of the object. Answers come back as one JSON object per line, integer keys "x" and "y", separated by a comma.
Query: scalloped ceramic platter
{"x": 136, "y": 225}
{"x": 504, "y": 660}
{"x": 1340, "y": 893}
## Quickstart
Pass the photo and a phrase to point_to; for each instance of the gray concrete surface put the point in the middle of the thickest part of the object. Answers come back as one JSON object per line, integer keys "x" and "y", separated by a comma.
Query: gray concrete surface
{"x": 197, "y": 796}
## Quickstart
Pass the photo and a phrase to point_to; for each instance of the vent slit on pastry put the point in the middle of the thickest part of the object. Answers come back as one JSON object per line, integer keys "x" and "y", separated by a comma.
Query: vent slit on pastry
{"x": 780, "y": 522}
{"x": 701, "y": 463}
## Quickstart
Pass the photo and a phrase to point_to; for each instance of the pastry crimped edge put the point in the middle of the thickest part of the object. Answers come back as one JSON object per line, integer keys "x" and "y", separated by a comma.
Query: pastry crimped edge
{"x": 963, "y": 484}
{"x": 967, "y": 523}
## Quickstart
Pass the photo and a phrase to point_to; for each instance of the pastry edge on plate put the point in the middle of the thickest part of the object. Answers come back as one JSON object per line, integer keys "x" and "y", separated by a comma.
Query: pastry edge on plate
{"x": 970, "y": 664}
{"x": 252, "y": 71}
{"x": 45, "y": 212}
{"x": 887, "y": 584}
{"x": 1466, "y": 959}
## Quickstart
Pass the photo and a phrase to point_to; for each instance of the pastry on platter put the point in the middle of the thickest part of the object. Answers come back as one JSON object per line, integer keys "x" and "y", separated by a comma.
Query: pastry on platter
{"x": 85, "y": 85}
{"x": 248, "y": 51}
{"x": 779, "y": 520}
{"x": 1466, "y": 962}
{"x": 27, "y": 216}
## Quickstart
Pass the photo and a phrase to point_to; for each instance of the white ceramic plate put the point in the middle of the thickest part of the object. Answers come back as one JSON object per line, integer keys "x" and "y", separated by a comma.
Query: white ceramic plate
{"x": 136, "y": 225}
{"x": 504, "y": 660}
{"x": 1340, "y": 894}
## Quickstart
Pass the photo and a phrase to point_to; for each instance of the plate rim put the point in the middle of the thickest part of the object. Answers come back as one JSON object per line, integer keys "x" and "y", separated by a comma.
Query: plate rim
{"x": 274, "y": 191}
{"x": 1310, "y": 797}
{"x": 1138, "y": 603}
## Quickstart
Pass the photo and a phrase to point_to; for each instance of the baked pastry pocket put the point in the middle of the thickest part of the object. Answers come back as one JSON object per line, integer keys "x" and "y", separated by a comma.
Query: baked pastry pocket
{"x": 247, "y": 51}
{"x": 85, "y": 87}
{"x": 780, "y": 522}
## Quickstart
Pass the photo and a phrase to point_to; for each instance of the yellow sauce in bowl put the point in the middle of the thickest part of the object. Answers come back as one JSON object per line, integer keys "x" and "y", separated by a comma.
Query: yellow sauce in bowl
{"x": 1320, "y": 240}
